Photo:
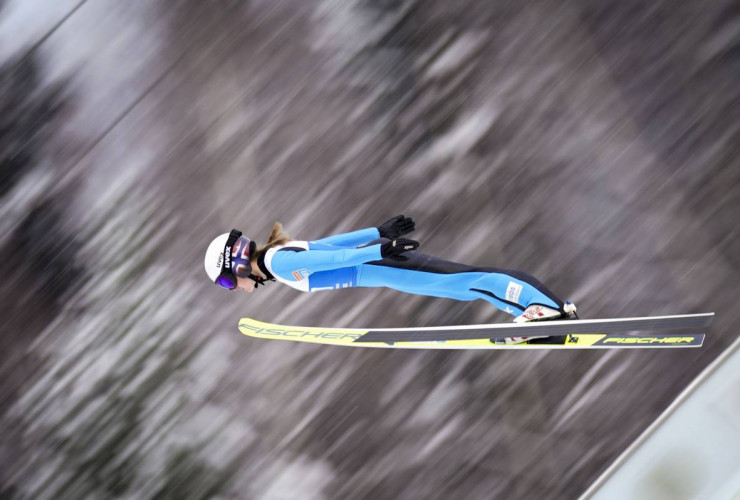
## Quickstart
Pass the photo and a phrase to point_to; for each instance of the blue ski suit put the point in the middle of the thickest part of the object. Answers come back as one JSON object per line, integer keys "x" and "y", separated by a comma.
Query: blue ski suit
{"x": 354, "y": 260}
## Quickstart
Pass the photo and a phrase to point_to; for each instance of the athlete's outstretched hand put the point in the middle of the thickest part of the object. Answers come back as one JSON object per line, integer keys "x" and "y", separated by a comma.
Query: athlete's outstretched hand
{"x": 395, "y": 248}
{"x": 397, "y": 226}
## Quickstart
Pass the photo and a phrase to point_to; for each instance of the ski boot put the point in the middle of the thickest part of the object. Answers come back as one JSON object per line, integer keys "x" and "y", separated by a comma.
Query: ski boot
{"x": 539, "y": 313}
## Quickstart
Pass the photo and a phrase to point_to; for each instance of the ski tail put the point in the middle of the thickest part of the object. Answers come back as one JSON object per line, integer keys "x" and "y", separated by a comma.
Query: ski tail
{"x": 689, "y": 323}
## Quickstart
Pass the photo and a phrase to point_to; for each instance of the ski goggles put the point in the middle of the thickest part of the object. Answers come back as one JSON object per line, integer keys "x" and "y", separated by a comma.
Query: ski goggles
{"x": 228, "y": 279}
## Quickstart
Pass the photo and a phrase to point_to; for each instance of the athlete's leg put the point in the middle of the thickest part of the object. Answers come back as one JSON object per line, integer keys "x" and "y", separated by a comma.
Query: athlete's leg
{"x": 510, "y": 291}
{"x": 414, "y": 282}
{"x": 515, "y": 289}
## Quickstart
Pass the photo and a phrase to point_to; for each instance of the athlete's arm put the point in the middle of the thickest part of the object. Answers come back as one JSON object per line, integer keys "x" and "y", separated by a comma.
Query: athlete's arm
{"x": 351, "y": 240}
{"x": 285, "y": 262}
{"x": 393, "y": 228}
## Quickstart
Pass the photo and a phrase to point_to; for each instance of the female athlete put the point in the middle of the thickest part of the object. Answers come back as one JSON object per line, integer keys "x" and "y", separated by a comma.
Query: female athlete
{"x": 375, "y": 257}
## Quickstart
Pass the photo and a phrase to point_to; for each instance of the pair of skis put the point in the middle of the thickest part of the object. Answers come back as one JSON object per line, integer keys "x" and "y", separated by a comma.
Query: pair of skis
{"x": 646, "y": 332}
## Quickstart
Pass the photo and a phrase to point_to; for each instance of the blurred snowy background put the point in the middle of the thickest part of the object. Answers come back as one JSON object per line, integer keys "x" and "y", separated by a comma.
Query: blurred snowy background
{"x": 592, "y": 144}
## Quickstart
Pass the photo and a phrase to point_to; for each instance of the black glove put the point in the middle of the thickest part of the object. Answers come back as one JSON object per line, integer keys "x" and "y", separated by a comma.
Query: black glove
{"x": 394, "y": 249}
{"x": 396, "y": 227}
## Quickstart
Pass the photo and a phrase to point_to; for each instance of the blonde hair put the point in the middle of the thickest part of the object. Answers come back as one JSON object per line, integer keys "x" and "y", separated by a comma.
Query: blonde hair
{"x": 277, "y": 237}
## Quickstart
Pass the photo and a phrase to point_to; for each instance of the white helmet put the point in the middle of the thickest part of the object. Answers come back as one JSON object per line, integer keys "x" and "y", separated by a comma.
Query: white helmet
{"x": 228, "y": 257}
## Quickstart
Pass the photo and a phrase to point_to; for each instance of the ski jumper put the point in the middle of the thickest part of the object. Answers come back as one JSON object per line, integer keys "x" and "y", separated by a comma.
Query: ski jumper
{"x": 354, "y": 260}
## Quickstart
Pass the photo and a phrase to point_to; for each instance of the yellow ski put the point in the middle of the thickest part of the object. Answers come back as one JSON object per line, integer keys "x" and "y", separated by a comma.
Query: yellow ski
{"x": 394, "y": 338}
